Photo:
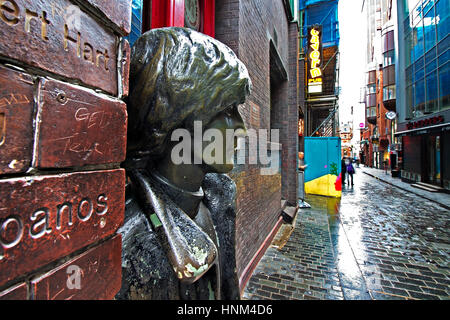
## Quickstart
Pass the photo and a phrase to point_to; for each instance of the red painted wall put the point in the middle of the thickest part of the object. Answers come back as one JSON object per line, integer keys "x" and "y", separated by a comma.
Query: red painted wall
{"x": 170, "y": 13}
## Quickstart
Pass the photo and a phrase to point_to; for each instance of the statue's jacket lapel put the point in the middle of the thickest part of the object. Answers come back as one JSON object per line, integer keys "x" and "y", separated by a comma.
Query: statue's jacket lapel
{"x": 164, "y": 251}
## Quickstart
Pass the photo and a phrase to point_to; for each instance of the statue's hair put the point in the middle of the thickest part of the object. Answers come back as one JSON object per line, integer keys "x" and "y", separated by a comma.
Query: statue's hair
{"x": 178, "y": 75}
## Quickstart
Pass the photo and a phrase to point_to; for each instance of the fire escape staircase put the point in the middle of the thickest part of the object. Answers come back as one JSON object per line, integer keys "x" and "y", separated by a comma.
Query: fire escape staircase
{"x": 327, "y": 128}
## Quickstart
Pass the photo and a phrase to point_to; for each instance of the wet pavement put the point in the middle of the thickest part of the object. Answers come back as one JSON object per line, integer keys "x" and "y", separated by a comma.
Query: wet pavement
{"x": 376, "y": 242}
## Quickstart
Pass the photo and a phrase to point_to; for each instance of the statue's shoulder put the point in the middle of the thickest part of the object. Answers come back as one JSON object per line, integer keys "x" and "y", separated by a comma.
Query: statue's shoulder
{"x": 216, "y": 185}
{"x": 144, "y": 262}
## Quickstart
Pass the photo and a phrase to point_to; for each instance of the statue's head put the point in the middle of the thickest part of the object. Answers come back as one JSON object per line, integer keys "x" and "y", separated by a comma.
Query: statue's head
{"x": 178, "y": 76}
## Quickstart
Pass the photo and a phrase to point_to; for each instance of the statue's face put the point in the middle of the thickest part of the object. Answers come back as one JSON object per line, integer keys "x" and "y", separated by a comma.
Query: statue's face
{"x": 227, "y": 119}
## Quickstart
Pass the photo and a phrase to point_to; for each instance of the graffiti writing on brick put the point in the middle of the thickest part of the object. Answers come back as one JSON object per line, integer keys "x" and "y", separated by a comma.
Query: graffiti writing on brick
{"x": 16, "y": 124}
{"x": 79, "y": 127}
{"x": 97, "y": 120}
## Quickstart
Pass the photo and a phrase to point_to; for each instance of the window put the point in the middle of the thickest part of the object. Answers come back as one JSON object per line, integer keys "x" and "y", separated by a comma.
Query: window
{"x": 420, "y": 72}
{"x": 409, "y": 49}
{"x": 442, "y": 13}
{"x": 389, "y": 58}
{"x": 389, "y": 93}
{"x": 136, "y": 21}
{"x": 429, "y": 26}
{"x": 410, "y": 5}
{"x": 444, "y": 88}
{"x": 409, "y": 75}
{"x": 430, "y": 61}
{"x": 432, "y": 92}
{"x": 371, "y": 112}
{"x": 409, "y": 100}
{"x": 419, "y": 95}
{"x": 418, "y": 40}
{"x": 427, "y": 5}
{"x": 443, "y": 58}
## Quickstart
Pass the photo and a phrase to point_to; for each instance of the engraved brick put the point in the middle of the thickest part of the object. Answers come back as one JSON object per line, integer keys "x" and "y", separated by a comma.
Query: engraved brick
{"x": 94, "y": 275}
{"x": 79, "y": 127}
{"x": 117, "y": 11}
{"x": 57, "y": 36}
{"x": 18, "y": 292}
{"x": 16, "y": 122}
{"x": 43, "y": 218}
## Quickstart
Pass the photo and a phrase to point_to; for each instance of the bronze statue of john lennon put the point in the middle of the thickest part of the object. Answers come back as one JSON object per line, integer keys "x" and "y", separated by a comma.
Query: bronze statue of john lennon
{"x": 179, "y": 230}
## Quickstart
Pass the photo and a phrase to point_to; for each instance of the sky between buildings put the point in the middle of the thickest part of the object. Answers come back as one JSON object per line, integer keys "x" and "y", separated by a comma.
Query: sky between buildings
{"x": 352, "y": 27}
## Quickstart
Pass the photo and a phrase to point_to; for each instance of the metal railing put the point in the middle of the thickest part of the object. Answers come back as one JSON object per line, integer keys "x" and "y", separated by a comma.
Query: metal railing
{"x": 327, "y": 126}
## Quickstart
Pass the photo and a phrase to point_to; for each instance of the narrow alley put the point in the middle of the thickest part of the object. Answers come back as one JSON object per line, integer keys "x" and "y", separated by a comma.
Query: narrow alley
{"x": 377, "y": 242}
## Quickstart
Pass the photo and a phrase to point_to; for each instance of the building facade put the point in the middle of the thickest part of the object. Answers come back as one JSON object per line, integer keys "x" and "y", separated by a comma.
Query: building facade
{"x": 319, "y": 57}
{"x": 380, "y": 146}
{"x": 423, "y": 91}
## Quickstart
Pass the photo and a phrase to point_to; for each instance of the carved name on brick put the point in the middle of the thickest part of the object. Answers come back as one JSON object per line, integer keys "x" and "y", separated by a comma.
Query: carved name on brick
{"x": 43, "y": 218}
{"x": 60, "y": 38}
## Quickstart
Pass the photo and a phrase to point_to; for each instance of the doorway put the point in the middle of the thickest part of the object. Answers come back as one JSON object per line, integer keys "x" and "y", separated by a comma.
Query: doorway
{"x": 432, "y": 163}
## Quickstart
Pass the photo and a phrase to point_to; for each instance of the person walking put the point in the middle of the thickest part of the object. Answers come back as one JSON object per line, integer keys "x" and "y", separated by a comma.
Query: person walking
{"x": 301, "y": 161}
{"x": 301, "y": 181}
{"x": 343, "y": 170}
{"x": 350, "y": 171}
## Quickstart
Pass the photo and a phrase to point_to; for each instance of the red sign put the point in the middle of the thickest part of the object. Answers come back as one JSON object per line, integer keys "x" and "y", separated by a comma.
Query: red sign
{"x": 425, "y": 122}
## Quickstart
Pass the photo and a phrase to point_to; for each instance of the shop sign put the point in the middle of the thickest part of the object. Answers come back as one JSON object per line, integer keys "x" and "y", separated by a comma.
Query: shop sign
{"x": 315, "y": 77}
{"x": 300, "y": 127}
{"x": 425, "y": 122}
{"x": 391, "y": 115}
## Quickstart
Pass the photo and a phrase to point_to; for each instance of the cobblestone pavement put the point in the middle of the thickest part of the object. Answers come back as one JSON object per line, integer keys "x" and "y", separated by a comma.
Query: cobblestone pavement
{"x": 377, "y": 242}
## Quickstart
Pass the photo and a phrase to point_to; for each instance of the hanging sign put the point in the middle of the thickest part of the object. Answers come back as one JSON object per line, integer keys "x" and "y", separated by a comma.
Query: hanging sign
{"x": 315, "y": 77}
{"x": 390, "y": 115}
{"x": 300, "y": 127}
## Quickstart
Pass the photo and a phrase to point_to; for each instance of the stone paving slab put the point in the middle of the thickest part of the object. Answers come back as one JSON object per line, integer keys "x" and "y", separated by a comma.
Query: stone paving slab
{"x": 377, "y": 242}
{"x": 304, "y": 268}
{"x": 442, "y": 198}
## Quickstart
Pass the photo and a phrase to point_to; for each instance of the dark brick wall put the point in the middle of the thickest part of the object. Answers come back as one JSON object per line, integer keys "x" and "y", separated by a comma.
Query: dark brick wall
{"x": 63, "y": 72}
{"x": 290, "y": 143}
{"x": 227, "y": 23}
{"x": 301, "y": 100}
{"x": 259, "y": 196}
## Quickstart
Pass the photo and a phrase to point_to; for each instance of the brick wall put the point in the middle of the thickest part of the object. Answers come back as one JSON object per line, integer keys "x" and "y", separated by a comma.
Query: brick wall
{"x": 301, "y": 100}
{"x": 63, "y": 74}
{"x": 247, "y": 27}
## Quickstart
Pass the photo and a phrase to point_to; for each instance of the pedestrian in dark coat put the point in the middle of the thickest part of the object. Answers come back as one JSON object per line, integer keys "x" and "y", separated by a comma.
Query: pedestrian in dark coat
{"x": 350, "y": 171}
{"x": 343, "y": 170}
